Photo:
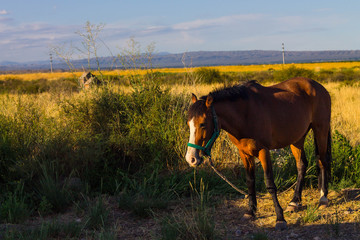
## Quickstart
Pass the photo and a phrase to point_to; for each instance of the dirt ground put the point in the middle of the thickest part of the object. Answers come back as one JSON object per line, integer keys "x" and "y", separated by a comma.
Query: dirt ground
{"x": 341, "y": 220}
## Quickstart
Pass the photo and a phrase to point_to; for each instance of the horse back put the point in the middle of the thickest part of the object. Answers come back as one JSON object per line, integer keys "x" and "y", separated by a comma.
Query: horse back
{"x": 288, "y": 110}
{"x": 309, "y": 92}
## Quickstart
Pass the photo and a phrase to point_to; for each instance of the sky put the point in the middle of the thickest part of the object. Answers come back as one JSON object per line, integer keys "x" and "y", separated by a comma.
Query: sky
{"x": 30, "y": 29}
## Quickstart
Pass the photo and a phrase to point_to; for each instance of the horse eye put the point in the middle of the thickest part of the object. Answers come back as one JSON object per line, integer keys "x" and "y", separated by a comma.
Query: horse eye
{"x": 202, "y": 125}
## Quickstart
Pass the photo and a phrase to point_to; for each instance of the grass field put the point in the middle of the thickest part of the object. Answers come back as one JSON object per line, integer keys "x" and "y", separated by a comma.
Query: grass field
{"x": 108, "y": 162}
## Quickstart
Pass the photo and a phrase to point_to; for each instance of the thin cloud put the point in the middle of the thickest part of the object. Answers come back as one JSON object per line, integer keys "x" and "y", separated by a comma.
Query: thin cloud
{"x": 4, "y": 12}
{"x": 215, "y": 22}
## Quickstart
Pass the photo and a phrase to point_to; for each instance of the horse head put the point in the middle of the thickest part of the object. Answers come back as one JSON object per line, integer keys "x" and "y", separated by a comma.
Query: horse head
{"x": 203, "y": 129}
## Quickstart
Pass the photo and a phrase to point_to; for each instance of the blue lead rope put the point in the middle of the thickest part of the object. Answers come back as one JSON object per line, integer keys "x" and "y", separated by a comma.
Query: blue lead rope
{"x": 209, "y": 144}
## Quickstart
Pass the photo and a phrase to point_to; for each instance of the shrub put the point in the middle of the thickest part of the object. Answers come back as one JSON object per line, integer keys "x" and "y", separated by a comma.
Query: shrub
{"x": 345, "y": 165}
{"x": 325, "y": 75}
{"x": 208, "y": 75}
{"x": 344, "y": 75}
{"x": 292, "y": 72}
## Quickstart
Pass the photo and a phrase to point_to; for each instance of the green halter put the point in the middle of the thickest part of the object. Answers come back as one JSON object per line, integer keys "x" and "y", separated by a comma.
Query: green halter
{"x": 209, "y": 144}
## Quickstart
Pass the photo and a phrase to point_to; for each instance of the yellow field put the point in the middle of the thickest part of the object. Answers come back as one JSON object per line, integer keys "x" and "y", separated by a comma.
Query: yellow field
{"x": 346, "y": 110}
{"x": 239, "y": 68}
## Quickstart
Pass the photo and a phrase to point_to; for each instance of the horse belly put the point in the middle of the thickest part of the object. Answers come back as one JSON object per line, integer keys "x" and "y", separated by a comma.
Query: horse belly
{"x": 289, "y": 126}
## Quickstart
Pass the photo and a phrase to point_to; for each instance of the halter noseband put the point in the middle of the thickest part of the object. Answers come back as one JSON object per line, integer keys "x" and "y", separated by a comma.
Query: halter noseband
{"x": 209, "y": 144}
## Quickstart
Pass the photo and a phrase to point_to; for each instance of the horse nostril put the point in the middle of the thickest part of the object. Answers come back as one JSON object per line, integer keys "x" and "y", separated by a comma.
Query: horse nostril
{"x": 193, "y": 160}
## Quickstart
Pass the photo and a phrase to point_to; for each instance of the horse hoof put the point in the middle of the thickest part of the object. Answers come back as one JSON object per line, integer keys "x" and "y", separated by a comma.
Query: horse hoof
{"x": 281, "y": 225}
{"x": 323, "y": 205}
{"x": 247, "y": 217}
{"x": 324, "y": 202}
{"x": 292, "y": 207}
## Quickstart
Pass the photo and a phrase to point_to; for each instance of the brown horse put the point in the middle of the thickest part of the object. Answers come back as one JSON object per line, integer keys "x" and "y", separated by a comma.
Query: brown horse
{"x": 258, "y": 119}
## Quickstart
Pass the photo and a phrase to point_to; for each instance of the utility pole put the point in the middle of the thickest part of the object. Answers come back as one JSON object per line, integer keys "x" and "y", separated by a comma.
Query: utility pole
{"x": 283, "y": 53}
{"x": 51, "y": 63}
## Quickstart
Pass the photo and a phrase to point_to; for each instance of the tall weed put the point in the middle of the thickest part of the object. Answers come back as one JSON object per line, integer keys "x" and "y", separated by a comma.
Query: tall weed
{"x": 53, "y": 189}
{"x": 144, "y": 195}
{"x": 196, "y": 223}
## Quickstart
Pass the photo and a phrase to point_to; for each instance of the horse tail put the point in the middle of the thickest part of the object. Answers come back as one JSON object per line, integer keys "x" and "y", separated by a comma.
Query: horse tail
{"x": 328, "y": 155}
{"x": 317, "y": 158}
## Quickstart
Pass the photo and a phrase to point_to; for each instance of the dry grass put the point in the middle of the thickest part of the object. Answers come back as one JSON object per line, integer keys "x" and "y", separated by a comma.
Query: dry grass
{"x": 346, "y": 110}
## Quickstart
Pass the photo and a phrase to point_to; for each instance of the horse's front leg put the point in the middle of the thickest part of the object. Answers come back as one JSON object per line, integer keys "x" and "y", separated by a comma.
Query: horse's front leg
{"x": 249, "y": 164}
{"x": 264, "y": 157}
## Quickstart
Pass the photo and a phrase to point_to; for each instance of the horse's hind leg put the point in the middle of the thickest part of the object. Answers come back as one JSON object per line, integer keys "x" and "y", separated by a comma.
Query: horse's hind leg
{"x": 301, "y": 165}
{"x": 323, "y": 143}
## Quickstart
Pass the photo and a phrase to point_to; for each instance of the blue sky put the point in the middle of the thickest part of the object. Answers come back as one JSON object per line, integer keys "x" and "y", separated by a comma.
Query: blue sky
{"x": 28, "y": 29}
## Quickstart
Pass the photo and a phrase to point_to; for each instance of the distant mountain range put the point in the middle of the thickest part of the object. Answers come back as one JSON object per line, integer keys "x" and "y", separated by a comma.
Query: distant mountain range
{"x": 201, "y": 58}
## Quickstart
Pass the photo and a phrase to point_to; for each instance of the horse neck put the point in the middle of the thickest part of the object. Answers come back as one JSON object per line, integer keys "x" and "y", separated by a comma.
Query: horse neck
{"x": 230, "y": 116}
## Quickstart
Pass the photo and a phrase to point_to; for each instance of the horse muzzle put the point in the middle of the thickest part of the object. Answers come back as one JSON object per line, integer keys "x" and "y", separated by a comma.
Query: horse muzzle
{"x": 193, "y": 158}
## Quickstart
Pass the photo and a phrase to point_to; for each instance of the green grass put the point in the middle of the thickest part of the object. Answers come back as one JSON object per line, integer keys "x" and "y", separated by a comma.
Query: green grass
{"x": 146, "y": 194}
{"x": 311, "y": 214}
{"x": 97, "y": 215}
{"x": 14, "y": 207}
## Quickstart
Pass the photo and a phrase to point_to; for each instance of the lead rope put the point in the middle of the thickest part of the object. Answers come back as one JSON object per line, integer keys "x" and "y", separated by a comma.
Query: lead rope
{"x": 225, "y": 179}
{"x": 241, "y": 191}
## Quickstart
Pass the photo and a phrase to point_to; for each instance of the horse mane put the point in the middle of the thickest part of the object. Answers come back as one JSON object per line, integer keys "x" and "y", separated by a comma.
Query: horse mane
{"x": 232, "y": 93}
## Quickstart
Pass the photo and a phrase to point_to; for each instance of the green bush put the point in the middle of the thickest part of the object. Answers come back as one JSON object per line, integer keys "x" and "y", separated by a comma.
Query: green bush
{"x": 292, "y": 72}
{"x": 208, "y": 75}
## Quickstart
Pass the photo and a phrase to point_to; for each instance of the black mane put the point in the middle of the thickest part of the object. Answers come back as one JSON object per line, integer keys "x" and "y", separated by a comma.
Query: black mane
{"x": 226, "y": 93}
{"x": 232, "y": 93}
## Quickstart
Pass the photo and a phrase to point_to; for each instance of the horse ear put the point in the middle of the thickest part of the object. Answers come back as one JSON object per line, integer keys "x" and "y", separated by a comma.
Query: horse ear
{"x": 209, "y": 100}
{"x": 194, "y": 98}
